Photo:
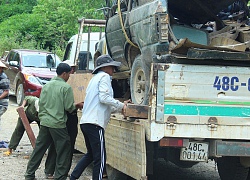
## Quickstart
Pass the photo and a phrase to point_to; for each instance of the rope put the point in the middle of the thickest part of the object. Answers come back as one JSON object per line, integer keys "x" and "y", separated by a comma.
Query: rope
{"x": 122, "y": 25}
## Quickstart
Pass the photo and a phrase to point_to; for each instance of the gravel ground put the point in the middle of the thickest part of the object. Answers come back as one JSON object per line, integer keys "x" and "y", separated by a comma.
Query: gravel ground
{"x": 13, "y": 167}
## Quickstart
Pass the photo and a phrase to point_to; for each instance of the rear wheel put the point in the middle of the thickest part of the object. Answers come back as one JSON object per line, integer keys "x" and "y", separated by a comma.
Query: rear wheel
{"x": 230, "y": 168}
{"x": 19, "y": 94}
{"x": 139, "y": 81}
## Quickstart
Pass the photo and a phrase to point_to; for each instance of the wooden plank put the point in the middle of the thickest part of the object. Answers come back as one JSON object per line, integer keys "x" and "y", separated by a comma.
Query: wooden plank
{"x": 137, "y": 111}
{"x": 79, "y": 83}
{"x": 26, "y": 125}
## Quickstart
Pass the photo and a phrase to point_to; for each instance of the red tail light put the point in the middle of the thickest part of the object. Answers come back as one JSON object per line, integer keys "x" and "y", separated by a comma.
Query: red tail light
{"x": 174, "y": 142}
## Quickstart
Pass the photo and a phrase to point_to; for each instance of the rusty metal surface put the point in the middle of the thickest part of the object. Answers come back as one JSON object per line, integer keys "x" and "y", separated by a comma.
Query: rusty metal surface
{"x": 229, "y": 148}
{"x": 205, "y": 131}
{"x": 196, "y": 53}
{"x": 93, "y": 22}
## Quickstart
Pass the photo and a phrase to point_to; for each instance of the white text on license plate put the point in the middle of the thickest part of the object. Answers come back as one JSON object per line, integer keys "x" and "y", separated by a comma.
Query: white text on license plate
{"x": 194, "y": 152}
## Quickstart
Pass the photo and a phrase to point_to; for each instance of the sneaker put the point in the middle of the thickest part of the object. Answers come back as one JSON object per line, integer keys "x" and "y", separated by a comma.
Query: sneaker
{"x": 104, "y": 175}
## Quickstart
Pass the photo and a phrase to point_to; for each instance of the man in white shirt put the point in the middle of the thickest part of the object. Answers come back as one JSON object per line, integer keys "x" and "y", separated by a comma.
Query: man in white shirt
{"x": 98, "y": 106}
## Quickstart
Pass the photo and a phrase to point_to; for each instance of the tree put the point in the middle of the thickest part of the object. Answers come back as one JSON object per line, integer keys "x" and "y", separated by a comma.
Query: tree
{"x": 49, "y": 25}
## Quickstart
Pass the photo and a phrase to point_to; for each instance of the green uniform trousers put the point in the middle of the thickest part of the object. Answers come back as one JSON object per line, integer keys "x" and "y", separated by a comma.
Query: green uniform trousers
{"x": 72, "y": 127}
{"x": 18, "y": 133}
{"x": 61, "y": 140}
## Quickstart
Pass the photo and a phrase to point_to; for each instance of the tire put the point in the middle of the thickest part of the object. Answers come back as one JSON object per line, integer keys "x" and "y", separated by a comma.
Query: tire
{"x": 230, "y": 168}
{"x": 139, "y": 82}
{"x": 19, "y": 94}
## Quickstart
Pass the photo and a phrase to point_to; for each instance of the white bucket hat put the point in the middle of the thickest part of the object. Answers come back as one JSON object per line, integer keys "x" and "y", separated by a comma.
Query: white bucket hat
{"x": 71, "y": 64}
{"x": 3, "y": 65}
{"x": 103, "y": 61}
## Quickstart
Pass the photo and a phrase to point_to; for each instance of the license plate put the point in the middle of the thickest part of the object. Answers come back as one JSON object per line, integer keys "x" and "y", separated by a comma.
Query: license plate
{"x": 195, "y": 151}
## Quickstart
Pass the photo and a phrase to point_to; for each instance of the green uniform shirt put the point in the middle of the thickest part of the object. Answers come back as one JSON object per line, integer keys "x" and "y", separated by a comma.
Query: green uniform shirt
{"x": 30, "y": 109}
{"x": 56, "y": 98}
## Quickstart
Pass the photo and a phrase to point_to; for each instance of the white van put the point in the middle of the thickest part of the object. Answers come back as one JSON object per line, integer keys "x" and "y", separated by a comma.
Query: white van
{"x": 70, "y": 52}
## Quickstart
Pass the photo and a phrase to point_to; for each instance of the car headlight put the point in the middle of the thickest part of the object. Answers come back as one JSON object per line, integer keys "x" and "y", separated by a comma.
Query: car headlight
{"x": 32, "y": 79}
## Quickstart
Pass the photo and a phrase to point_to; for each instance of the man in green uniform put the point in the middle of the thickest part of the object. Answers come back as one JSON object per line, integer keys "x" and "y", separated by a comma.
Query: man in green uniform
{"x": 72, "y": 128}
{"x": 30, "y": 103}
{"x": 56, "y": 98}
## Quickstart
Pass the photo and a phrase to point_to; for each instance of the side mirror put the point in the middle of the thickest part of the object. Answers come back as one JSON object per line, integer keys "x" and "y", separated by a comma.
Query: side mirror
{"x": 13, "y": 63}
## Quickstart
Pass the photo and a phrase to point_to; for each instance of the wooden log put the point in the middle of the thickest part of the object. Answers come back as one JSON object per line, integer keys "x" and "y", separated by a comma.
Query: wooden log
{"x": 26, "y": 125}
{"x": 136, "y": 111}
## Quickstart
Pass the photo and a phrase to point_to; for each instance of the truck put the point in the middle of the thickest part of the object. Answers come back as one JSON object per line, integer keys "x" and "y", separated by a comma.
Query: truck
{"x": 187, "y": 73}
{"x": 81, "y": 47}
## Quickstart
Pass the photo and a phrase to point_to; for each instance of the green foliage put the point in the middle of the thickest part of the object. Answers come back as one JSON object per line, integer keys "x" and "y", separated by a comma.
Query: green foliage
{"x": 48, "y": 26}
{"x": 20, "y": 32}
{"x": 9, "y": 10}
{"x": 31, "y": 2}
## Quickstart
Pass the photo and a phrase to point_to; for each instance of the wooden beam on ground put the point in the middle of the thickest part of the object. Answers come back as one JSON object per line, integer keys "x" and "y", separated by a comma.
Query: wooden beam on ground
{"x": 137, "y": 111}
{"x": 26, "y": 125}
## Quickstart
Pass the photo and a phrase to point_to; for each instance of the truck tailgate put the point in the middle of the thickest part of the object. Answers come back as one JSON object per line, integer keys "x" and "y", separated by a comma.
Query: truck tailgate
{"x": 202, "y": 101}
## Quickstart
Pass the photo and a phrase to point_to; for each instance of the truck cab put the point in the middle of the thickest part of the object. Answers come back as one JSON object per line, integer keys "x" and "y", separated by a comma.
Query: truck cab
{"x": 88, "y": 40}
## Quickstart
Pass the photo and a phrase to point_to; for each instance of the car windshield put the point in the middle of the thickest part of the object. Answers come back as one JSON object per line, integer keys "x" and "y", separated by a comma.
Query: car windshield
{"x": 40, "y": 60}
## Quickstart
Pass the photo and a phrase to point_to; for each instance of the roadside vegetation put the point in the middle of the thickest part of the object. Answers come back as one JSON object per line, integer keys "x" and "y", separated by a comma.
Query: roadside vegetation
{"x": 43, "y": 24}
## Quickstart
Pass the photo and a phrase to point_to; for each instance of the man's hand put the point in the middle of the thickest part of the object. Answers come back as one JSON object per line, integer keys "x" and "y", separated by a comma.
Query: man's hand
{"x": 79, "y": 105}
{"x": 127, "y": 101}
{"x": 125, "y": 106}
{"x": 23, "y": 104}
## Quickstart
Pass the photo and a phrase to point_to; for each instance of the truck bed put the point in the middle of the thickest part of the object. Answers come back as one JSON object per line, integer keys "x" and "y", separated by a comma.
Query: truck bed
{"x": 200, "y": 101}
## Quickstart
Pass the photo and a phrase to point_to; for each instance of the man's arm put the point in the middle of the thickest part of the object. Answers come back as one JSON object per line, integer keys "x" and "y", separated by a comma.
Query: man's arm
{"x": 79, "y": 105}
{"x": 5, "y": 93}
{"x": 69, "y": 104}
{"x": 24, "y": 103}
{"x": 104, "y": 94}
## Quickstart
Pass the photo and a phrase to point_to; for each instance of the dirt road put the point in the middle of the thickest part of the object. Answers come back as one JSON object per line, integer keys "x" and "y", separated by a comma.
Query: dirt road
{"x": 13, "y": 167}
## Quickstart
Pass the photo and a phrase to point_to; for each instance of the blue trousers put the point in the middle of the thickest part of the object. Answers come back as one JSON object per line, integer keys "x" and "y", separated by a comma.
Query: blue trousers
{"x": 96, "y": 152}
